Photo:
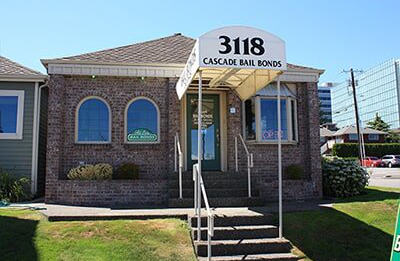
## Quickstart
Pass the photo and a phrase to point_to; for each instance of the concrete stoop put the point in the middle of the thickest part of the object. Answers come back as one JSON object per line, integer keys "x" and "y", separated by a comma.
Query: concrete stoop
{"x": 224, "y": 189}
{"x": 242, "y": 238}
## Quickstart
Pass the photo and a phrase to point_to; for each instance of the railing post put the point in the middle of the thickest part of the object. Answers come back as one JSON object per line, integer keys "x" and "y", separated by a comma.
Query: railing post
{"x": 249, "y": 174}
{"x": 199, "y": 206}
{"x": 236, "y": 154}
{"x": 180, "y": 175}
{"x": 209, "y": 237}
{"x": 195, "y": 190}
{"x": 175, "y": 153}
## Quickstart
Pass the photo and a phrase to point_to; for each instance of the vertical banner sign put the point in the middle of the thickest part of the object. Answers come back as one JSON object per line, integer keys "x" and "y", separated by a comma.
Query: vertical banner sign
{"x": 395, "y": 256}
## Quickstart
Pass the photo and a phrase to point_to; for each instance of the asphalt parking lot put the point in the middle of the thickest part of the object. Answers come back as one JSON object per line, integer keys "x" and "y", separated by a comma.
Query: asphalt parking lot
{"x": 385, "y": 177}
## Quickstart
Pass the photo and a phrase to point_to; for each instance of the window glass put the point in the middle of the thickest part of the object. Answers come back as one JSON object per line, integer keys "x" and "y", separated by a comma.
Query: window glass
{"x": 94, "y": 121}
{"x": 142, "y": 121}
{"x": 250, "y": 120}
{"x": 353, "y": 137}
{"x": 269, "y": 119}
{"x": 373, "y": 136}
{"x": 8, "y": 114}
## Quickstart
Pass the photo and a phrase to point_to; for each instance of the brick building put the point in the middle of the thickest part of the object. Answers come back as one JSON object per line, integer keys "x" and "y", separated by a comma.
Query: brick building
{"x": 102, "y": 104}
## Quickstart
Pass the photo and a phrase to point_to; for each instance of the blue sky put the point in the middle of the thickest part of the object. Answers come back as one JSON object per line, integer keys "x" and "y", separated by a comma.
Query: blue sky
{"x": 332, "y": 35}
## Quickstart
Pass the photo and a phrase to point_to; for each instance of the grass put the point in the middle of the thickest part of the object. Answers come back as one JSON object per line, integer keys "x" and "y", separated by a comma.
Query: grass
{"x": 25, "y": 235}
{"x": 358, "y": 228}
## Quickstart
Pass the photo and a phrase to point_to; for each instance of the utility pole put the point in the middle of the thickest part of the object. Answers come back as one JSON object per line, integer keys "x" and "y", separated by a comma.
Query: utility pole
{"x": 353, "y": 85}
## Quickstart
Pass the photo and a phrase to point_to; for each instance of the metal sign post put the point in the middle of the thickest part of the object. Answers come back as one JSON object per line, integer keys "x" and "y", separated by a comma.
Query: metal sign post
{"x": 280, "y": 158}
{"x": 199, "y": 151}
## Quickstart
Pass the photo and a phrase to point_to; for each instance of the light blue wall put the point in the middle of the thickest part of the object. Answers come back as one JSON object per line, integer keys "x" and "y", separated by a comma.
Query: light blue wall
{"x": 16, "y": 155}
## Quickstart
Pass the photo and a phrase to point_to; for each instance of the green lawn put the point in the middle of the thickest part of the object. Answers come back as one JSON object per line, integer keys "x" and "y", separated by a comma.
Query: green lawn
{"x": 359, "y": 228}
{"x": 25, "y": 235}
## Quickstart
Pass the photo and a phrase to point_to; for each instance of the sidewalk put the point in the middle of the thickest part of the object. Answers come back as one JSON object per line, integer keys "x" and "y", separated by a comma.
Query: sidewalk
{"x": 63, "y": 212}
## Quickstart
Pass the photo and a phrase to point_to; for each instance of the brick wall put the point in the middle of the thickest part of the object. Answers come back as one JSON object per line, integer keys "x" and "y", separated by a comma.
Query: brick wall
{"x": 305, "y": 153}
{"x": 156, "y": 160}
{"x": 63, "y": 154}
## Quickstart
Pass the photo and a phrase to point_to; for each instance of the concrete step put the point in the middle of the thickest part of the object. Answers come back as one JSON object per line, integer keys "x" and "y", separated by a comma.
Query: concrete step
{"x": 214, "y": 193}
{"x": 211, "y": 184}
{"x": 210, "y": 175}
{"x": 259, "y": 257}
{"x": 244, "y": 247}
{"x": 218, "y": 202}
{"x": 235, "y": 220}
{"x": 239, "y": 232}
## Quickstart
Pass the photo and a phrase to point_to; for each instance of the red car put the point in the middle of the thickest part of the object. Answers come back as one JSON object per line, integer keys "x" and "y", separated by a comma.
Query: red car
{"x": 371, "y": 162}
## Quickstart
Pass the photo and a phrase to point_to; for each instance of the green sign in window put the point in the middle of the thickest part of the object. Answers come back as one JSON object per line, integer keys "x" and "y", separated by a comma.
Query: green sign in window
{"x": 395, "y": 256}
{"x": 142, "y": 135}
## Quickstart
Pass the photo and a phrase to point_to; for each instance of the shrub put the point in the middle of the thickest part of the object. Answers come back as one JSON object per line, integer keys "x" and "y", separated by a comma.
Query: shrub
{"x": 103, "y": 171}
{"x": 343, "y": 178}
{"x": 91, "y": 172}
{"x": 127, "y": 171}
{"x": 13, "y": 189}
{"x": 371, "y": 149}
{"x": 295, "y": 172}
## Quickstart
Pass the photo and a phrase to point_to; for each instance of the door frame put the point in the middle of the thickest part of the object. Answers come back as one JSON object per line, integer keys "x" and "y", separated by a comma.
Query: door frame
{"x": 222, "y": 124}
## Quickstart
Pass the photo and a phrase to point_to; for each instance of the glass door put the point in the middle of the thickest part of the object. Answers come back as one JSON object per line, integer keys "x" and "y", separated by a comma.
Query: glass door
{"x": 210, "y": 131}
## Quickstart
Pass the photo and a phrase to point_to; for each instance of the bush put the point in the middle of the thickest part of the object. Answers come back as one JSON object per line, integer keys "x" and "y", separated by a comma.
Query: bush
{"x": 371, "y": 149}
{"x": 13, "y": 189}
{"x": 91, "y": 172}
{"x": 343, "y": 178}
{"x": 295, "y": 172}
{"x": 127, "y": 171}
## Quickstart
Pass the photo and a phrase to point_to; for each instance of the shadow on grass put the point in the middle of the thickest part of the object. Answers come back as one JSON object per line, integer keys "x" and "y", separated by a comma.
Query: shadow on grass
{"x": 370, "y": 194}
{"x": 16, "y": 239}
{"x": 330, "y": 235}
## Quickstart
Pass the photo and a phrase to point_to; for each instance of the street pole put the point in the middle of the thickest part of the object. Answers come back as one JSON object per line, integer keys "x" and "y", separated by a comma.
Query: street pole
{"x": 280, "y": 158}
{"x": 353, "y": 85}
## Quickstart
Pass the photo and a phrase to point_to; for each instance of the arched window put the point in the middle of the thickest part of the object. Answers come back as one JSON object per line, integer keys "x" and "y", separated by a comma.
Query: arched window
{"x": 93, "y": 121}
{"x": 142, "y": 122}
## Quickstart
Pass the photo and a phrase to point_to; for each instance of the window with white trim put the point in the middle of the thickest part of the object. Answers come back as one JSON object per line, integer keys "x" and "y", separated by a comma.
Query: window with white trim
{"x": 353, "y": 137}
{"x": 142, "y": 121}
{"x": 93, "y": 121}
{"x": 11, "y": 114}
{"x": 373, "y": 136}
{"x": 261, "y": 115}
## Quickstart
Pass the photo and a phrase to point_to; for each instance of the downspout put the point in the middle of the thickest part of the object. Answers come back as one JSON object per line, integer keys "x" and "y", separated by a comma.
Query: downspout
{"x": 35, "y": 136}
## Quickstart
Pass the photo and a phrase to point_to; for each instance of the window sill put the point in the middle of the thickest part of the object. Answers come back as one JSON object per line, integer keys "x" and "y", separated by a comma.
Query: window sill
{"x": 6, "y": 136}
{"x": 264, "y": 142}
{"x": 141, "y": 143}
{"x": 91, "y": 143}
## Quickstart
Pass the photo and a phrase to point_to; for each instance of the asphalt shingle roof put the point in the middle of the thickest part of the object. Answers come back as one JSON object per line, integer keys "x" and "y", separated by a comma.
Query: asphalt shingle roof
{"x": 11, "y": 68}
{"x": 353, "y": 130}
{"x": 174, "y": 49}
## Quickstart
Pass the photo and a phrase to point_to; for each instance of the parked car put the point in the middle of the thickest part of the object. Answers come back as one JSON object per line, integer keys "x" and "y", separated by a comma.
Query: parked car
{"x": 371, "y": 162}
{"x": 390, "y": 160}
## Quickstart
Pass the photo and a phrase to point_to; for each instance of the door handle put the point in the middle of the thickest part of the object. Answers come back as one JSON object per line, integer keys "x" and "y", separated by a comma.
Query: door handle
{"x": 217, "y": 137}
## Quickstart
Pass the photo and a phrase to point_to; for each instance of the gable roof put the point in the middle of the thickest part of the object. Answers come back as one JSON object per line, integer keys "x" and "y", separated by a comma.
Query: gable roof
{"x": 11, "y": 69}
{"x": 174, "y": 49}
{"x": 353, "y": 130}
{"x": 324, "y": 132}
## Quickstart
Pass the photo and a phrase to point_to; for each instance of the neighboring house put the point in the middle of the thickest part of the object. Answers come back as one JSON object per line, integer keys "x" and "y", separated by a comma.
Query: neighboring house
{"x": 348, "y": 134}
{"x": 325, "y": 135}
{"x": 120, "y": 105}
{"x": 23, "y": 123}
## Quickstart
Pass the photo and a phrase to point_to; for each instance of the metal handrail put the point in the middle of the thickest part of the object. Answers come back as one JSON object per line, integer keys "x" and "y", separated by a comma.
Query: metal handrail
{"x": 178, "y": 162}
{"x": 199, "y": 191}
{"x": 249, "y": 161}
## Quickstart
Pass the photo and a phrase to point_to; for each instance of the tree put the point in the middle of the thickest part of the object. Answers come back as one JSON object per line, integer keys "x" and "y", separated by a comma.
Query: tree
{"x": 381, "y": 125}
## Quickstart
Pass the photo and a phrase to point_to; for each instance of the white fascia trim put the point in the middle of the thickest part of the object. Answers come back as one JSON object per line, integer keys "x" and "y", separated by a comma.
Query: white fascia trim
{"x": 114, "y": 70}
{"x": 35, "y": 140}
{"x": 22, "y": 78}
{"x": 156, "y": 70}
